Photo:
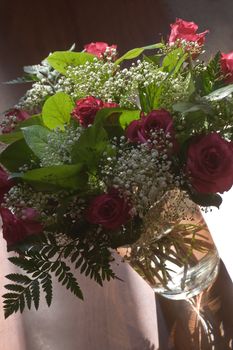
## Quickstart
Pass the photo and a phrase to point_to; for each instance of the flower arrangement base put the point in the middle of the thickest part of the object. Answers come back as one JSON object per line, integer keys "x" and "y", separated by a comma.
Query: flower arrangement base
{"x": 175, "y": 254}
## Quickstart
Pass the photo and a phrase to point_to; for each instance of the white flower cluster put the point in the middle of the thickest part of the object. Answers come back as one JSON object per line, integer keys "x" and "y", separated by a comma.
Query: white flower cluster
{"x": 143, "y": 173}
{"x": 88, "y": 79}
{"x": 33, "y": 99}
{"x": 23, "y": 196}
{"x": 59, "y": 146}
{"x": 9, "y": 122}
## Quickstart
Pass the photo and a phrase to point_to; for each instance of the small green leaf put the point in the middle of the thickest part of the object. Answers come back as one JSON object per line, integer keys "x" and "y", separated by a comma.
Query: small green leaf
{"x": 55, "y": 177}
{"x": 37, "y": 137}
{"x": 219, "y": 94}
{"x": 60, "y": 60}
{"x": 173, "y": 61}
{"x": 17, "y": 154}
{"x": 186, "y": 107}
{"x": 33, "y": 120}
{"x": 56, "y": 110}
{"x": 137, "y": 52}
{"x": 11, "y": 137}
{"x": 90, "y": 146}
{"x": 116, "y": 117}
{"x": 206, "y": 199}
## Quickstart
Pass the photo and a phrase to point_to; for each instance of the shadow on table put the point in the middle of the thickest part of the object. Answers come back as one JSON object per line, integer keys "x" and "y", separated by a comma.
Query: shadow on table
{"x": 201, "y": 323}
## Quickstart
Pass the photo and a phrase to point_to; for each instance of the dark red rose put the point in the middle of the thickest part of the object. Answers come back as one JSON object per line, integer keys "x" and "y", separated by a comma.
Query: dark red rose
{"x": 109, "y": 210}
{"x": 210, "y": 163}
{"x": 226, "y": 62}
{"x": 5, "y": 183}
{"x": 12, "y": 118}
{"x": 86, "y": 109}
{"x": 99, "y": 49}
{"x": 16, "y": 229}
{"x": 157, "y": 120}
{"x": 134, "y": 132}
{"x": 187, "y": 31}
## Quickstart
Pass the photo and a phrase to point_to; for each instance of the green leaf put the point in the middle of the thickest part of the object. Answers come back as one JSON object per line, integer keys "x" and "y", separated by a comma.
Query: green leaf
{"x": 35, "y": 293}
{"x": 37, "y": 137}
{"x": 16, "y": 277}
{"x": 11, "y": 137}
{"x": 56, "y": 177}
{"x": 16, "y": 155}
{"x": 173, "y": 61}
{"x": 90, "y": 146}
{"x": 60, "y": 60}
{"x": 137, "y": 52}
{"x": 186, "y": 107}
{"x": 56, "y": 110}
{"x": 33, "y": 120}
{"x": 219, "y": 94}
{"x": 206, "y": 199}
{"x": 116, "y": 117}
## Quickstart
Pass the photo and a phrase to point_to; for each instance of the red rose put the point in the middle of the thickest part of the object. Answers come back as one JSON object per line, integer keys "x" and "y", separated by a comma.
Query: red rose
{"x": 140, "y": 130}
{"x": 12, "y": 118}
{"x": 5, "y": 183}
{"x": 134, "y": 132}
{"x": 210, "y": 163}
{"x": 16, "y": 229}
{"x": 159, "y": 119}
{"x": 226, "y": 62}
{"x": 187, "y": 31}
{"x": 109, "y": 210}
{"x": 99, "y": 49}
{"x": 86, "y": 109}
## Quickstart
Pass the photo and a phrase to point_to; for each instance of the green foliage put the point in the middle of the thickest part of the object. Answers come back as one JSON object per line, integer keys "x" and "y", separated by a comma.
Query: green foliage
{"x": 56, "y": 110}
{"x": 36, "y": 137}
{"x": 57, "y": 177}
{"x": 47, "y": 259}
{"x": 90, "y": 146}
{"x": 33, "y": 120}
{"x": 11, "y": 137}
{"x": 210, "y": 79}
{"x": 206, "y": 199}
{"x": 112, "y": 118}
{"x": 219, "y": 94}
{"x": 174, "y": 60}
{"x": 17, "y": 154}
{"x": 60, "y": 60}
{"x": 17, "y": 134}
{"x": 137, "y": 52}
{"x": 150, "y": 96}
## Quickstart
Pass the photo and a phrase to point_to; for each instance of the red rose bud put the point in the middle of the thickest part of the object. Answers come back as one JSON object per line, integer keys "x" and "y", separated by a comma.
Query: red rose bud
{"x": 12, "y": 118}
{"x": 15, "y": 229}
{"x": 86, "y": 109}
{"x": 109, "y": 210}
{"x": 134, "y": 132}
{"x": 157, "y": 120}
{"x": 99, "y": 49}
{"x": 183, "y": 30}
{"x": 5, "y": 183}
{"x": 210, "y": 163}
{"x": 226, "y": 62}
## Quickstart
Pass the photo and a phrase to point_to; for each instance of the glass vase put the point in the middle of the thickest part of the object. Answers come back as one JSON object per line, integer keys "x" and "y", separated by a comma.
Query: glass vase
{"x": 175, "y": 253}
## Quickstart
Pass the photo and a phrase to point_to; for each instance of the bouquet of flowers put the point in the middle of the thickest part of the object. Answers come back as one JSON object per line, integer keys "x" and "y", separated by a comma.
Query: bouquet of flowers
{"x": 97, "y": 142}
